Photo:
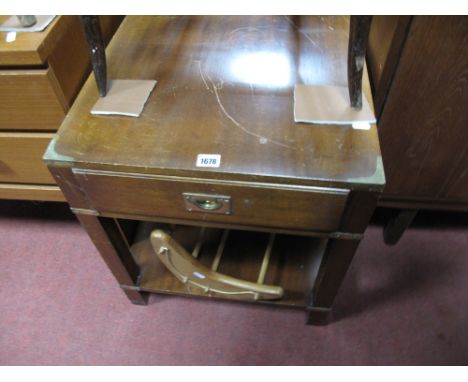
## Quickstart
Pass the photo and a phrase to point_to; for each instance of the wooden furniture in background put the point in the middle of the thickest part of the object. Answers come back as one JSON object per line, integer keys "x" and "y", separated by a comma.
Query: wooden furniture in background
{"x": 40, "y": 75}
{"x": 225, "y": 86}
{"x": 418, "y": 66}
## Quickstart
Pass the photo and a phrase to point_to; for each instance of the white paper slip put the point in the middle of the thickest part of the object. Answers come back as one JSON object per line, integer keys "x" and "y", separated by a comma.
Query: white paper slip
{"x": 361, "y": 125}
{"x": 10, "y": 37}
{"x": 208, "y": 160}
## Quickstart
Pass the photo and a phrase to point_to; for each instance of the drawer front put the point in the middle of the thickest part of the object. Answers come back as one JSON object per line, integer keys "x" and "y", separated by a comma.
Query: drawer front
{"x": 31, "y": 192}
{"x": 250, "y": 204}
{"x": 30, "y": 100}
{"x": 21, "y": 158}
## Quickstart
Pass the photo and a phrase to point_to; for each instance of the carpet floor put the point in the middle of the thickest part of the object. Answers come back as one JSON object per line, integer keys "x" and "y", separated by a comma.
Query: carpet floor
{"x": 59, "y": 305}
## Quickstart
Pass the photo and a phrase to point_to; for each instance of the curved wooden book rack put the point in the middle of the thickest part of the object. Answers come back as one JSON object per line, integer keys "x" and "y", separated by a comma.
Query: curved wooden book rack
{"x": 186, "y": 268}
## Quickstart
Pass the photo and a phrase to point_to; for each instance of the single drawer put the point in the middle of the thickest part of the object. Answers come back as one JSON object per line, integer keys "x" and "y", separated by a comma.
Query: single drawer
{"x": 21, "y": 158}
{"x": 240, "y": 203}
{"x": 30, "y": 100}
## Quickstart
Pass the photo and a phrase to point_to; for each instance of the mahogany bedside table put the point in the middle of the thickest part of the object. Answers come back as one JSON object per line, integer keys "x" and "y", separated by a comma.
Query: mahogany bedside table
{"x": 283, "y": 206}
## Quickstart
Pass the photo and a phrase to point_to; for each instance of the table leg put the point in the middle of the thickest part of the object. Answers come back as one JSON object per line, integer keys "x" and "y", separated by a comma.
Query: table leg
{"x": 338, "y": 256}
{"x": 335, "y": 263}
{"x": 114, "y": 250}
{"x": 106, "y": 234}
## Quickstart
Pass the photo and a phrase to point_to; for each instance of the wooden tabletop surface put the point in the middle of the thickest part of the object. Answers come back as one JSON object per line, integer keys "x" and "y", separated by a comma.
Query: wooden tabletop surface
{"x": 225, "y": 86}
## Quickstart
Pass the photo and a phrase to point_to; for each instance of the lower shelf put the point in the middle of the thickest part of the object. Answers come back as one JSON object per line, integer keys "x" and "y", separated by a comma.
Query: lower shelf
{"x": 293, "y": 264}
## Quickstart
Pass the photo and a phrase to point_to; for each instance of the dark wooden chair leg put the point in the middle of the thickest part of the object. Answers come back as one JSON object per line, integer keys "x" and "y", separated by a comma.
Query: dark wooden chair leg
{"x": 396, "y": 226}
{"x": 97, "y": 50}
{"x": 358, "y": 35}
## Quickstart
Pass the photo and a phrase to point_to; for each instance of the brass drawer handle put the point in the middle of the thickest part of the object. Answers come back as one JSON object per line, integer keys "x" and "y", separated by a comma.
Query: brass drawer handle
{"x": 211, "y": 203}
{"x": 207, "y": 204}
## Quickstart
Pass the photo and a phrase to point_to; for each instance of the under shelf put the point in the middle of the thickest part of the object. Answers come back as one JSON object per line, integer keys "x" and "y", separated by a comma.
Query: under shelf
{"x": 293, "y": 264}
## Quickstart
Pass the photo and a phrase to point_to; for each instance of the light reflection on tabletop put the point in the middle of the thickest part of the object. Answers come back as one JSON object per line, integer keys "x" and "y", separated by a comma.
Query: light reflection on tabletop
{"x": 267, "y": 68}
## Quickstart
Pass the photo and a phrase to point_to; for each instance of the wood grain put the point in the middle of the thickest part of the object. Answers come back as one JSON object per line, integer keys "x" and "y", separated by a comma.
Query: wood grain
{"x": 423, "y": 125}
{"x": 109, "y": 25}
{"x": 21, "y": 158}
{"x": 40, "y": 75}
{"x": 29, "y": 100}
{"x": 106, "y": 237}
{"x": 38, "y": 99}
{"x": 293, "y": 265}
{"x": 420, "y": 203}
{"x": 31, "y": 48}
{"x": 73, "y": 192}
{"x": 339, "y": 254}
{"x": 333, "y": 268}
{"x": 253, "y": 204}
{"x": 225, "y": 86}
{"x": 387, "y": 37}
{"x": 34, "y": 49}
{"x": 70, "y": 60}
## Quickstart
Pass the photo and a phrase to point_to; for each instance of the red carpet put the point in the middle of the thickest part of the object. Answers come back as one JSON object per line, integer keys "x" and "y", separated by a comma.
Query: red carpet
{"x": 59, "y": 305}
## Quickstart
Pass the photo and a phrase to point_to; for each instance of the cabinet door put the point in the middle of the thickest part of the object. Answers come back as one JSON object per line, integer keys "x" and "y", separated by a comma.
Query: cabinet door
{"x": 423, "y": 127}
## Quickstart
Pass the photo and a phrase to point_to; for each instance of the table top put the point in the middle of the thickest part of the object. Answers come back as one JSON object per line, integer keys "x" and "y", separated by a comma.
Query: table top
{"x": 225, "y": 86}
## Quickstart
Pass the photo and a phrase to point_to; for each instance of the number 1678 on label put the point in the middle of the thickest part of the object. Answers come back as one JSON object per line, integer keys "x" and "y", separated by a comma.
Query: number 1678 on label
{"x": 208, "y": 160}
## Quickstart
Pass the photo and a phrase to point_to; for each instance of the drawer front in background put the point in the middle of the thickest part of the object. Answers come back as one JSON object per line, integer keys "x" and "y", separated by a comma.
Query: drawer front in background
{"x": 30, "y": 100}
{"x": 252, "y": 204}
{"x": 21, "y": 158}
